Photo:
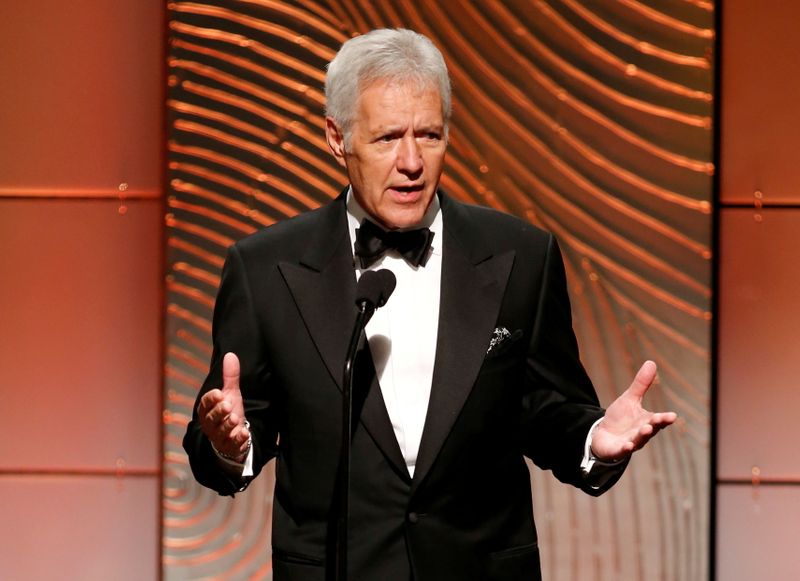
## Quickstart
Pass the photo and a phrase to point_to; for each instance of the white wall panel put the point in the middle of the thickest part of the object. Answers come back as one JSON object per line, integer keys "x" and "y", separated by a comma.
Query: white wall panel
{"x": 79, "y": 528}
{"x": 81, "y": 87}
{"x": 760, "y": 84}
{"x": 757, "y": 533}
{"x": 80, "y": 339}
{"x": 759, "y": 348}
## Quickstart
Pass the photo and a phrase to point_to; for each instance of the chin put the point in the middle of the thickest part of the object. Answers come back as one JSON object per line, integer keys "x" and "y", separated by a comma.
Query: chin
{"x": 401, "y": 220}
{"x": 406, "y": 217}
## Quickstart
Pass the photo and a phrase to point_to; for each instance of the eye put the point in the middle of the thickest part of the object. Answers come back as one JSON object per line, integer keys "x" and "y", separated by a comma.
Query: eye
{"x": 387, "y": 138}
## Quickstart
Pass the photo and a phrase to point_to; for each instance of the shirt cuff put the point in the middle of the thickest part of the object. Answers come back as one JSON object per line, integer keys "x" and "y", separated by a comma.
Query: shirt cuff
{"x": 243, "y": 469}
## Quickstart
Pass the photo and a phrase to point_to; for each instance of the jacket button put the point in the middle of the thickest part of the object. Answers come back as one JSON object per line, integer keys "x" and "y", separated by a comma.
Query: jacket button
{"x": 413, "y": 518}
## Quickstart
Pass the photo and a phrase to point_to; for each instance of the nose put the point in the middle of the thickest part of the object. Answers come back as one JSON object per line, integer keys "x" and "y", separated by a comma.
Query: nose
{"x": 409, "y": 157}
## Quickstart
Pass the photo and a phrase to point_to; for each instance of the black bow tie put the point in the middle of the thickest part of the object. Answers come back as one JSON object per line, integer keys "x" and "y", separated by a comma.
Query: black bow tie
{"x": 373, "y": 241}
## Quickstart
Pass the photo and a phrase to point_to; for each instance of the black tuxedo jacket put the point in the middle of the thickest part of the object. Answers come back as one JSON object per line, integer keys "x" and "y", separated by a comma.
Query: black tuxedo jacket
{"x": 286, "y": 308}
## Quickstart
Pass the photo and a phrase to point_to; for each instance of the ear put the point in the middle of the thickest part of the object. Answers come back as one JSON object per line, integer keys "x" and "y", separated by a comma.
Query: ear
{"x": 335, "y": 139}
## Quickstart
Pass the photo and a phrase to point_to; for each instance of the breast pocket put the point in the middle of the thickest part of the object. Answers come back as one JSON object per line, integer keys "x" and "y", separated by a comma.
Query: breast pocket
{"x": 509, "y": 355}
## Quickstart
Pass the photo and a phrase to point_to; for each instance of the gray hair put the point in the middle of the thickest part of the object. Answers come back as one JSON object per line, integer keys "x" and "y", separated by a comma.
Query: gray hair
{"x": 398, "y": 55}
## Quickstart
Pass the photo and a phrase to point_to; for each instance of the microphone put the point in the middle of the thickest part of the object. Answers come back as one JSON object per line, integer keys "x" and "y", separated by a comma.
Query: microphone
{"x": 372, "y": 291}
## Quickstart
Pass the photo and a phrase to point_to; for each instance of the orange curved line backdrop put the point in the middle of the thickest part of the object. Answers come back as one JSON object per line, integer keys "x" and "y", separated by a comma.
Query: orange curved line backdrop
{"x": 592, "y": 119}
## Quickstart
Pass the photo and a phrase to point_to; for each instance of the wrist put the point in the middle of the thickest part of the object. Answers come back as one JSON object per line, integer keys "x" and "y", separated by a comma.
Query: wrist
{"x": 594, "y": 457}
{"x": 599, "y": 459}
{"x": 240, "y": 457}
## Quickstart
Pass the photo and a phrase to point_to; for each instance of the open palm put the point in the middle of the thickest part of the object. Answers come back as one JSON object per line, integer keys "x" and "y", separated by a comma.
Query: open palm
{"x": 627, "y": 426}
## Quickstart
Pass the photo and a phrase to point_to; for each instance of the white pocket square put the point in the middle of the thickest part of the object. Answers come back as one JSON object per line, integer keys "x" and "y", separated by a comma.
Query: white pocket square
{"x": 500, "y": 337}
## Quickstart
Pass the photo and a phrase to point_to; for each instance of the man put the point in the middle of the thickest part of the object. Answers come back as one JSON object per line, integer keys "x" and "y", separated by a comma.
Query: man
{"x": 471, "y": 366}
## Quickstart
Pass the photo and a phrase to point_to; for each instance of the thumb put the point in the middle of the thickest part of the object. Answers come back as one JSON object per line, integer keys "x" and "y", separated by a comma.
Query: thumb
{"x": 644, "y": 379}
{"x": 230, "y": 372}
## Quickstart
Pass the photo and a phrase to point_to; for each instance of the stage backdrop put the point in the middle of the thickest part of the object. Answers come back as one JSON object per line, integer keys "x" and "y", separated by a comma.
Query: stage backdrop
{"x": 591, "y": 119}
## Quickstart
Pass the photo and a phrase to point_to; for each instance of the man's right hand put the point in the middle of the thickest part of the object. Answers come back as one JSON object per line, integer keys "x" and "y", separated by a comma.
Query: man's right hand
{"x": 221, "y": 413}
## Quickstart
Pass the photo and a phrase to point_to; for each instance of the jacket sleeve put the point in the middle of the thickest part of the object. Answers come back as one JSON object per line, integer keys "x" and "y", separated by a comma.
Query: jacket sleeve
{"x": 235, "y": 329}
{"x": 560, "y": 403}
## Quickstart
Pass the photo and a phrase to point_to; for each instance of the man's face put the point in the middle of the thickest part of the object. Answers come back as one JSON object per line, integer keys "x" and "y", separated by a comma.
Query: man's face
{"x": 396, "y": 151}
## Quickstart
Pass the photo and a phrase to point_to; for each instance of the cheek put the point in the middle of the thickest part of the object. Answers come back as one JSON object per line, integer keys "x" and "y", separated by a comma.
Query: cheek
{"x": 379, "y": 176}
{"x": 372, "y": 181}
{"x": 435, "y": 159}
{"x": 363, "y": 176}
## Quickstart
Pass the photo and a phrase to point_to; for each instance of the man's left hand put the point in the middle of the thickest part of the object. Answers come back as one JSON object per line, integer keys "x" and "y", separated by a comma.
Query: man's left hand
{"x": 627, "y": 426}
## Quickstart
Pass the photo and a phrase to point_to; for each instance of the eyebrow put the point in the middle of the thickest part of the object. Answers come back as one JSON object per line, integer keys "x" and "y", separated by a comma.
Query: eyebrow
{"x": 384, "y": 129}
{"x": 392, "y": 129}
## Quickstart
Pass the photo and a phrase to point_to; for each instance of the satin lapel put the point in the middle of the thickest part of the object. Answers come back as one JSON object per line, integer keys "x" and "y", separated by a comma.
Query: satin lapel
{"x": 472, "y": 291}
{"x": 323, "y": 287}
{"x": 374, "y": 416}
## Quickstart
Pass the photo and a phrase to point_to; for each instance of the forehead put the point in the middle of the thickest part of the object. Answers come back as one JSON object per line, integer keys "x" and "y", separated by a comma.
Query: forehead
{"x": 388, "y": 101}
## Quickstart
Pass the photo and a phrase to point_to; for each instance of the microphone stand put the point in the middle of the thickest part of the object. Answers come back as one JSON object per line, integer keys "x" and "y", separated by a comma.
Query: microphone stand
{"x": 365, "y": 310}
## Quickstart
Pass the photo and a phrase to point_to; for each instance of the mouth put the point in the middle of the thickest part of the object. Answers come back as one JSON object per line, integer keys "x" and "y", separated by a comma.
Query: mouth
{"x": 407, "y": 192}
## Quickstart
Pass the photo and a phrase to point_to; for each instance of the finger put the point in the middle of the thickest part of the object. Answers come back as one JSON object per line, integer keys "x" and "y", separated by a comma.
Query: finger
{"x": 232, "y": 443}
{"x": 231, "y": 421}
{"x": 663, "y": 419}
{"x": 208, "y": 402}
{"x": 240, "y": 435}
{"x": 643, "y": 380}
{"x": 648, "y": 431}
{"x": 217, "y": 429}
{"x": 641, "y": 437}
{"x": 217, "y": 415}
{"x": 230, "y": 372}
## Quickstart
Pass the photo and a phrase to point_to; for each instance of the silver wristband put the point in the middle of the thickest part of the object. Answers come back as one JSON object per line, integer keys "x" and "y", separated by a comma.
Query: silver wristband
{"x": 240, "y": 454}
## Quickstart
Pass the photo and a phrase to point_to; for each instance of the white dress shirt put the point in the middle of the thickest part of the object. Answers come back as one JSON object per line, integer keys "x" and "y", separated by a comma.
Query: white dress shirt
{"x": 402, "y": 334}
